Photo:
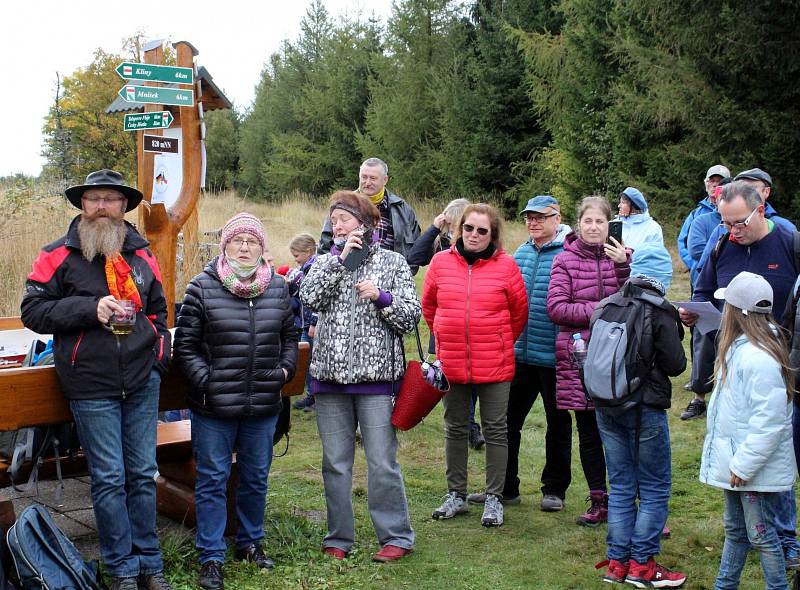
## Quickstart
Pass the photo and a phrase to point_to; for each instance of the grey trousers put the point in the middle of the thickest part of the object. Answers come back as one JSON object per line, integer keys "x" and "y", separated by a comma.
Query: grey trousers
{"x": 493, "y": 399}
{"x": 337, "y": 416}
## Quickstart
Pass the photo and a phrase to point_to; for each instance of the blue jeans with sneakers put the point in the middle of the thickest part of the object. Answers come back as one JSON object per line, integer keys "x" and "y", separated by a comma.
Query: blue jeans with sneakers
{"x": 214, "y": 441}
{"x": 119, "y": 439}
{"x": 634, "y": 529}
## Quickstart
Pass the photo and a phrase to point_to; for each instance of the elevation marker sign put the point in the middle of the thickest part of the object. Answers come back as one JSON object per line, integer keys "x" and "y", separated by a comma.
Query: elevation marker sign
{"x": 153, "y": 94}
{"x": 152, "y": 73}
{"x": 142, "y": 121}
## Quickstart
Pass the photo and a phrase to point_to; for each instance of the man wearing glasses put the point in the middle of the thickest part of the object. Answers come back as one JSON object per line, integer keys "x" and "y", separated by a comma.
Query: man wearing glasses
{"x": 79, "y": 288}
{"x": 534, "y": 351}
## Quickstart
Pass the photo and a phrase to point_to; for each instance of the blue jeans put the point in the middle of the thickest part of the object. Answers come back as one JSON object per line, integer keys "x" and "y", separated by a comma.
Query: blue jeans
{"x": 337, "y": 416}
{"x": 746, "y": 524}
{"x": 634, "y": 531}
{"x": 213, "y": 441}
{"x": 119, "y": 439}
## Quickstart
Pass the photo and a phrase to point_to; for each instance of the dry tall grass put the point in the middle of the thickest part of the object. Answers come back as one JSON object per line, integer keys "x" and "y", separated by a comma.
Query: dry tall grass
{"x": 25, "y": 231}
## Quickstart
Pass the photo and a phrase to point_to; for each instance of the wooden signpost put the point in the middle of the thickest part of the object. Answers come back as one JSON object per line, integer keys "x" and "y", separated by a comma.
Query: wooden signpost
{"x": 170, "y": 102}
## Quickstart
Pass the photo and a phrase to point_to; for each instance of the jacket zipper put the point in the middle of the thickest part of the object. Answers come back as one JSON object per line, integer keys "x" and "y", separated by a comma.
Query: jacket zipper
{"x": 530, "y": 291}
{"x": 353, "y": 300}
{"x": 75, "y": 349}
{"x": 469, "y": 288}
{"x": 251, "y": 357}
{"x": 600, "y": 279}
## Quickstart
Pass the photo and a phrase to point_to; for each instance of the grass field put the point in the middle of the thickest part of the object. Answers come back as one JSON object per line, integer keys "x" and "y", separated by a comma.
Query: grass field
{"x": 533, "y": 549}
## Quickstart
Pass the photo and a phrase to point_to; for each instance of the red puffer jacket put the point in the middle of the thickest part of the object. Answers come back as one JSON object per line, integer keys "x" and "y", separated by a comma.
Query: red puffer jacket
{"x": 581, "y": 277}
{"x": 476, "y": 314}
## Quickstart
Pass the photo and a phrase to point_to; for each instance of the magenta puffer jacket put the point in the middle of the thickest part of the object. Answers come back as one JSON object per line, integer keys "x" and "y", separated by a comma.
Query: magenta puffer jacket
{"x": 581, "y": 277}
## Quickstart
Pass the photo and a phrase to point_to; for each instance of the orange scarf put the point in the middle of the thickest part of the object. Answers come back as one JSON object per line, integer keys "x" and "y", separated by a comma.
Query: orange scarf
{"x": 120, "y": 282}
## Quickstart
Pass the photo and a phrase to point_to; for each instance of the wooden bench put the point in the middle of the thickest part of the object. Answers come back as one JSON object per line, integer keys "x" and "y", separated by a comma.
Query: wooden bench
{"x": 31, "y": 396}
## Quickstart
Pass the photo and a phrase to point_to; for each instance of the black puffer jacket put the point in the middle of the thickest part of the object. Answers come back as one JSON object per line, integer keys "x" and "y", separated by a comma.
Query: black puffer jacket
{"x": 232, "y": 349}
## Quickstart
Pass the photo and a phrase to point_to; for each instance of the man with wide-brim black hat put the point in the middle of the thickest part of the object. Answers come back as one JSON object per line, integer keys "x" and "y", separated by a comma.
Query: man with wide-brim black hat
{"x": 87, "y": 282}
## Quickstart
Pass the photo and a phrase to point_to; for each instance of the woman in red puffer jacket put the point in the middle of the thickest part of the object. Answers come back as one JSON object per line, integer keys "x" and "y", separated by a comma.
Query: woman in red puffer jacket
{"x": 587, "y": 271}
{"x": 475, "y": 304}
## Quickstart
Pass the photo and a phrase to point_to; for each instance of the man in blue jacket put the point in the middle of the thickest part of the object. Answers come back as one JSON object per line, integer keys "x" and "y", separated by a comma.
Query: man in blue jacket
{"x": 534, "y": 351}
{"x": 714, "y": 176}
{"x": 710, "y": 227}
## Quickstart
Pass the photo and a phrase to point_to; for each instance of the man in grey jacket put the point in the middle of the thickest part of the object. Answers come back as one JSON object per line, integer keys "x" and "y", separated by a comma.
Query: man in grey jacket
{"x": 398, "y": 229}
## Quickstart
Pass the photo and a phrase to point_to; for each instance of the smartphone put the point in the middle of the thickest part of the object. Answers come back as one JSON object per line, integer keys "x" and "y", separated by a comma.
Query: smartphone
{"x": 357, "y": 255}
{"x": 614, "y": 231}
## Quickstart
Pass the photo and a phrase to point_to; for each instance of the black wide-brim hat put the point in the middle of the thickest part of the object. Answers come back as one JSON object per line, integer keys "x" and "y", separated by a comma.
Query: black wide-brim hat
{"x": 105, "y": 179}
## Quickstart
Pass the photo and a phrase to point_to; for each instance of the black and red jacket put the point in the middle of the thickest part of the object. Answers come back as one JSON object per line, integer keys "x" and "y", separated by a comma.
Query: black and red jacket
{"x": 61, "y": 296}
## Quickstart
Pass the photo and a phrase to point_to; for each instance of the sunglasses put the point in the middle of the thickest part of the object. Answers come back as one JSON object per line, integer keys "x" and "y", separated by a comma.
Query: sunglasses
{"x": 468, "y": 229}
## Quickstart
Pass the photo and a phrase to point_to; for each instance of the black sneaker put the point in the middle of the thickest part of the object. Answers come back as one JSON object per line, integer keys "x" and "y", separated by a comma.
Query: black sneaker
{"x": 476, "y": 440}
{"x": 255, "y": 554}
{"x": 155, "y": 581}
{"x": 695, "y": 409}
{"x": 211, "y": 577}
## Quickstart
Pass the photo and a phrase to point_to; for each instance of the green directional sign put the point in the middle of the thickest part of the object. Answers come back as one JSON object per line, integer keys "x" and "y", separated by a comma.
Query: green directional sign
{"x": 141, "y": 121}
{"x": 157, "y": 95}
{"x": 151, "y": 73}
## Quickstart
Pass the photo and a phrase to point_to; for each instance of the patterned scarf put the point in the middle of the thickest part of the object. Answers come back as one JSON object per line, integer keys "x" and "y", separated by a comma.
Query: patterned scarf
{"x": 232, "y": 282}
{"x": 120, "y": 282}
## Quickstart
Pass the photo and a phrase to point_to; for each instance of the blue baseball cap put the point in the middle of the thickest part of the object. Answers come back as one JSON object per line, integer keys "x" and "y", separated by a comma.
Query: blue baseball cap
{"x": 541, "y": 203}
{"x": 636, "y": 197}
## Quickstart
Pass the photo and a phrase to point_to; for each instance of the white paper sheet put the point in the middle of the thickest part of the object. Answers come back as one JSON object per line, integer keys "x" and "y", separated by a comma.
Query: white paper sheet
{"x": 708, "y": 316}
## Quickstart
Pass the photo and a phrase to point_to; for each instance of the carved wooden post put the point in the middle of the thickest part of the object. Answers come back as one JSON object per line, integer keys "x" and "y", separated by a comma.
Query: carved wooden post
{"x": 162, "y": 224}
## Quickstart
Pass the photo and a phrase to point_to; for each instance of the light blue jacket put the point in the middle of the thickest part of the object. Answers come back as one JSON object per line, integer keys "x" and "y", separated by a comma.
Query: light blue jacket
{"x": 537, "y": 343}
{"x": 643, "y": 234}
{"x": 702, "y": 208}
{"x": 749, "y": 425}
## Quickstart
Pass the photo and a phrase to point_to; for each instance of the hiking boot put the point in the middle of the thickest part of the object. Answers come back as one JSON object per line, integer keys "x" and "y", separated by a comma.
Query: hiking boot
{"x": 616, "y": 572}
{"x": 211, "y": 577}
{"x": 254, "y": 553}
{"x": 124, "y": 583}
{"x": 695, "y": 409}
{"x": 551, "y": 503}
{"x": 476, "y": 440}
{"x": 652, "y": 575}
{"x": 305, "y": 403}
{"x": 598, "y": 509}
{"x": 453, "y": 505}
{"x": 492, "y": 511}
{"x": 155, "y": 581}
{"x": 480, "y": 498}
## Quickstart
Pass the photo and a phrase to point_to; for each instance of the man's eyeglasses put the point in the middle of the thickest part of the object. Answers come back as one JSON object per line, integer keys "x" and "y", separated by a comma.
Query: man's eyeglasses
{"x": 239, "y": 242}
{"x": 109, "y": 200}
{"x": 739, "y": 224}
{"x": 468, "y": 229}
{"x": 539, "y": 218}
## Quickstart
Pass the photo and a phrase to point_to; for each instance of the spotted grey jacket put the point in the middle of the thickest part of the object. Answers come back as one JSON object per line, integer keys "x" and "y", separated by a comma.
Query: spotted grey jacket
{"x": 355, "y": 341}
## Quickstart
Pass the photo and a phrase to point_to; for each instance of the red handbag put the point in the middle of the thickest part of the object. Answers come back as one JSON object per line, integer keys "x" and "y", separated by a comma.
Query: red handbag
{"x": 424, "y": 384}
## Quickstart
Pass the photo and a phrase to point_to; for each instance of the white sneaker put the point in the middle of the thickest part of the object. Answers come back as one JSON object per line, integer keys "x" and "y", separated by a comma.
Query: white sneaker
{"x": 453, "y": 505}
{"x": 492, "y": 511}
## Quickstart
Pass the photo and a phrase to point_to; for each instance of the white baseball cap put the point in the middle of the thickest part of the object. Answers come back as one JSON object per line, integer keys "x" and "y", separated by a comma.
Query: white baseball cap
{"x": 718, "y": 170}
{"x": 748, "y": 292}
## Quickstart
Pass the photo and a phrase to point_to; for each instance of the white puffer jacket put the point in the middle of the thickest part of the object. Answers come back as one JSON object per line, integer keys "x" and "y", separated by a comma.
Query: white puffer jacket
{"x": 749, "y": 425}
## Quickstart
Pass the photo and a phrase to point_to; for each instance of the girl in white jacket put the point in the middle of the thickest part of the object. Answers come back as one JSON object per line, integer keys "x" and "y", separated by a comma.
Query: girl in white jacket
{"x": 748, "y": 447}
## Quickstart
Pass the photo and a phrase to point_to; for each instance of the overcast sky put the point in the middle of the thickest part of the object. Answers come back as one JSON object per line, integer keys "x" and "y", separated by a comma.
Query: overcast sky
{"x": 41, "y": 37}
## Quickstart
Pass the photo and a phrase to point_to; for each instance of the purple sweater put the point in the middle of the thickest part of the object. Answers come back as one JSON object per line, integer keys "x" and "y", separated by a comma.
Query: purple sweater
{"x": 582, "y": 276}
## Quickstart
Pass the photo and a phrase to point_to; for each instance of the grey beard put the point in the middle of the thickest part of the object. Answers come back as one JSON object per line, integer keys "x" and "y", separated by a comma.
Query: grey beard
{"x": 103, "y": 235}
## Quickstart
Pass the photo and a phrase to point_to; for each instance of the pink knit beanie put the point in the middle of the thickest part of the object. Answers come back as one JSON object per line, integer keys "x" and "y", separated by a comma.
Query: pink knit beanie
{"x": 242, "y": 223}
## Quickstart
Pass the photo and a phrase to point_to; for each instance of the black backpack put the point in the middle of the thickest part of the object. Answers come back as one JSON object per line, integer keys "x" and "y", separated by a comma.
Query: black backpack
{"x": 615, "y": 369}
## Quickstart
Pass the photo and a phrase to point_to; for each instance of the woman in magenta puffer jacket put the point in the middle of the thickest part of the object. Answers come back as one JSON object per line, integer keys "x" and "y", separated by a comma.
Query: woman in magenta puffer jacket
{"x": 587, "y": 271}
{"x": 475, "y": 304}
